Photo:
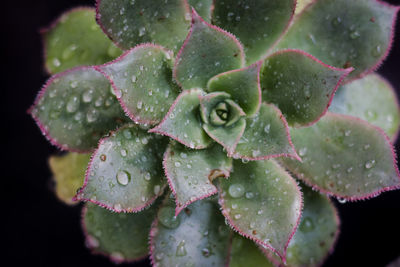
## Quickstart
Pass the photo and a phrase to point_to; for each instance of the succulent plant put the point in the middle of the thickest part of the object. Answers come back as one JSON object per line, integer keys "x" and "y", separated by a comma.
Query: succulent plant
{"x": 199, "y": 144}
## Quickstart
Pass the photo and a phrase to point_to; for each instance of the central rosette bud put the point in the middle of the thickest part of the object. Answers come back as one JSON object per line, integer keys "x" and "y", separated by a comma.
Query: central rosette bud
{"x": 218, "y": 110}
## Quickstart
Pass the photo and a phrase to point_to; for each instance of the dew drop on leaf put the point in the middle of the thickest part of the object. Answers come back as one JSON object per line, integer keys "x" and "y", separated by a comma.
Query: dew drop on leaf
{"x": 236, "y": 190}
{"x": 123, "y": 177}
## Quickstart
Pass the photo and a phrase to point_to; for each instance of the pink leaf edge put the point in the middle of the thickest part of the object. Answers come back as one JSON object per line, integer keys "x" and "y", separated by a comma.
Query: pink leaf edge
{"x": 197, "y": 19}
{"x": 79, "y": 194}
{"x": 181, "y": 206}
{"x": 274, "y": 261}
{"x": 117, "y": 91}
{"x": 152, "y": 235}
{"x": 51, "y": 26}
{"x": 92, "y": 247}
{"x": 171, "y": 109}
{"x": 365, "y": 196}
{"x": 41, "y": 126}
{"x": 280, "y": 254}
{"x": 294, "y": 155}
{"x": 388, "y": 48}
{"x": 345, "y": 73}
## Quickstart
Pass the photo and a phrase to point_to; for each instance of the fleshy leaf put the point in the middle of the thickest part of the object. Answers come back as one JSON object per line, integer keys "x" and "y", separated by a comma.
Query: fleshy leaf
{"x": 76, "y": 108}
{"x": 372, "y": 99}
{"x": 183, "y": 122}
{"x": 206, "y": 52}
{"x": 345, "y": 157}
{"x": 344, "y": 33}
{"x": 129, "y": 23}
{"x": 203, "y": 8}
{"x": 122, "y": 237}
{"x": 142, "y": 80}
{"x": 242, "y": 85}
{"x": 245, "y": 252}
{"x": 190, "y": 172}
{"x": 69, "y": 173}
{"x": 125, "y": 173}
{"x": 300, "y": 85}
{"x": 227, "y": 136}
{"x": 257, "y": 24}
{"x": 317, "y": 233}
{"x": 266, "y": 136}
{"x": 262, "y": 202}
{"x": 69, "y": 42}
{"x": 196, "y": 237}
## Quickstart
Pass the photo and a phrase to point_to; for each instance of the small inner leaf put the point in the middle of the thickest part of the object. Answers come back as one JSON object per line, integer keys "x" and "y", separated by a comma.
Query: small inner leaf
{"x": 196, "y": 237}
{"x": 142, "y": 79}
{"x": 129, "y": 23}
{"x": 242, "y": 85}
{"x": 266, "y": 136}
{"x": 125, "y": 173}
{"x": 183, "y": 122}
{"x": 346, "y": 157}
{"x": 76, "y": 108}
{"x": 190, "y": 172}
{"x": 207, "y": 51}
{"x": 69, "y": 174}
{"x": 344, "y": 33}
{"x": 122, "y": 237}
{"x": 75, "y": 40}
{"x": 262, "y": 202}
{"x": 300, "y": 85}
{"x": 203, "y": 8}
{"x": 372, "y": 99}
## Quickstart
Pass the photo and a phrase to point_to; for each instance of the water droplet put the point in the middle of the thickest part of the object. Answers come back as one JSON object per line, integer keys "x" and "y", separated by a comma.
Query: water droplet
{"x": 156, "y": 189}
{"x": 123, "y": 177}
{"x": 181, "y": 249}
{"x": 354, "y": 35}
{"x": 303, "y": 151}
{"x": 249, "y": 195}
{"x": 124, "y": 152}
{"x": 237, "y": 216}
{"x": 159, "y": 256}
{"x": 69, "y": 51}
{"x": 142, "y": 31}
{"x": 147, "y": 176}
{"x": 267, "y": 128}
{"x": 206, "y": 252}
{"x": 341, "y": 200}
{"x": 245, "y": 161}
{"x": 87, "y": 96}
{"x": 134, "y": 78}
{"x": 183, "y": 155}
{"x": 73, "y": 104}
{"x": 127, "y": 134}
{"x": 74, "y": 84}
{"x": 103, "y": 157}
{"x": 370, "y": 164}
{"x": 56, "y": 62}
{"x": 167, "y": 218}
{"x": 376, "y": 51}
{"x": 307, "y": 225}
{"x": 336, "y": 21}
{"x": 236, "y": 190}
{"x": 92, "y": 115}
{"x": 177, "y": 164}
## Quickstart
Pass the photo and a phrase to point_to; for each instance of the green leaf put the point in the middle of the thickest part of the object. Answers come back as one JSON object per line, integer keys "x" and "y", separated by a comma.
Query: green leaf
{"x": 345, "y": 157}
{"x": 344, "y": 33}
{"x": 75, "y": 39}
{"x": 262, "y": 202}
{"x": 226, "y": 136}
{"x": 257, "y": 24}
{"x": 183, "y": 122}
{"x": 203, "y": 8}
{"x": 245, "y": 252}
{"x": 302, "y": 4}
{"x": 129, "y": 23}
{"x": 372, "y": 99}
{"x": 125, "y": 173}
{"x": 207, "y": 51}
{"x": 317, "y": 233}
{"x": 243, "y": 85}
{"x": 196, "y": 237}
{"x": 68, "y": 173}
{"x": 122, "y": 237}
{"x": 76, "y": 108}
{"x": 190, "y": 172}
{"x": 266, "y": 136}
{"x": 142, "y": 80}
{"x": 300, "y": 85}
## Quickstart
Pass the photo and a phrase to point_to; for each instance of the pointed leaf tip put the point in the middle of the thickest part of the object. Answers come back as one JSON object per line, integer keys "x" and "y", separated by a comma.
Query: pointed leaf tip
{"x": 127, "y": 167}
{"x": 267, "y": 209}
{"x": 182, "y": 122}
{"x": 207, "y": 51}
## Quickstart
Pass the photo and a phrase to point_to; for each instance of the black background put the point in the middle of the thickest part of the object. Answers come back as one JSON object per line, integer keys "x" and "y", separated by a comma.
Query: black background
{"x": 41, "y": 231}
